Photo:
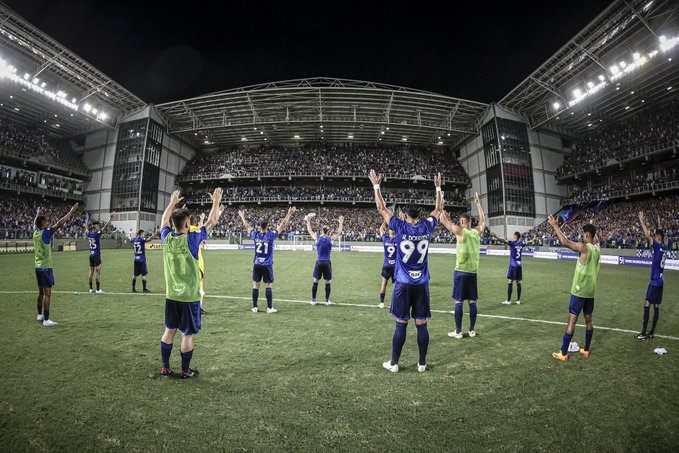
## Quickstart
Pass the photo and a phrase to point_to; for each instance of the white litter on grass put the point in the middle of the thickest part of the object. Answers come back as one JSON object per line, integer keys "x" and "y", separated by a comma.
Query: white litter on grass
{"x": 660, "y": 351}
{"x": 573, "y": 347}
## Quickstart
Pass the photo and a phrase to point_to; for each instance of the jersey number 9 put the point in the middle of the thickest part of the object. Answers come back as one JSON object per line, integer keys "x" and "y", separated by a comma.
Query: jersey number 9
{"x": 409, "y": 247}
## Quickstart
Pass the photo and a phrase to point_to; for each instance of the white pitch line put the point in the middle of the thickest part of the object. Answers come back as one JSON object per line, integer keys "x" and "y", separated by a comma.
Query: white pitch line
{"x": 296, "y": 301}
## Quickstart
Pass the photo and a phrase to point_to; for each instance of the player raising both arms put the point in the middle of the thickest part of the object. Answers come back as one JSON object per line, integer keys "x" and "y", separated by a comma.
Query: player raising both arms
{"x": 323, "y": 267}
{"x": 515, "y": 271}
{"x": 655, "y": 287}
{"x": 411, "y": 290}
{"x": 389, "y": 265}
{"x": 466, "y": 265}
{"x": 262, "y": 268}
{"x": 583, "y": 287}
{"x": 182, "y": 280}
{"x": 93, "y": 234}
{"x": 42, "y": 245}
{"x": 140, "y": 268}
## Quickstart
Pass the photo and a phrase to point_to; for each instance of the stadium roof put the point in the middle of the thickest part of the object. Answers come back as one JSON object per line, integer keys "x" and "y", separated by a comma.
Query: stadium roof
{"x": 606, "y": 71}
{"x": 328, "y": 109}
{"x": 31, "y": 58}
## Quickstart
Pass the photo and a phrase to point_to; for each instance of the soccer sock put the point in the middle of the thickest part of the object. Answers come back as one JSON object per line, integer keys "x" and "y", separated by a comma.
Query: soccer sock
{"x": 269, "y": 298}
{"x": 509, "y": 291}
{"x": 143, "y": 283}
{"x": 40, "y": 304}
{"x": 381, "y": 297}
{"x": 646, "y": 312}
{"x": 588, "y": 338}
{"x": 398, "y": 342}
{"x": 90, "y": 284}
{"x": 98, "y": 283}
{"x": 518, "y": 291}
{"x": 165, "y": 351}
{"x": 186, "y": 360}
{"x": 255, "y": 296}
{"x": 472, "y": 316}
{"x": 46, "y": 311}
{"x": 656, "y": 314}
{"x": 134, "y": 284}
{"x": 327, "y": 292}
{"x": 314, "y": 290}
{"x": 458, "y": 317}
{"x": 422, "y": 342}
{"x": 565, "y": 341}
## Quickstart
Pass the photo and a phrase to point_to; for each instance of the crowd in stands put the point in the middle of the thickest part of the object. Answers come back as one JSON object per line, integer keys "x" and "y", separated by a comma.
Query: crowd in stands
{"x": 652, "y": 180}
{"x": 325, "y": 159}
{"x": 20, "y": 142}
{"x": 316, "y": 193}
{"x": 42, "y": 183}
{"x": 649, "y": 130}
{"x": 17, "y": 216}
{"x": 617, "y": 222}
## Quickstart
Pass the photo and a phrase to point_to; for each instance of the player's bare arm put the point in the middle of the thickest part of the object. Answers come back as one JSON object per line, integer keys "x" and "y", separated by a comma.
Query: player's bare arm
{"x": 311, "y": 231}
{"x": 167, "y": 214}
{"x": 436, "y": 213}
{"x": 213, "y": 217}
{"x": 499, "y": 238}
{"x": 376, "y": 179}
{"x": 246, "y": 224}
{"x": 60, "y": 223}
{"x": 482, "y": 217}
{"x": 579, "y": 247}
{"x": 113, "y": 213}
{"x": 339, "y": 228}
{"x": 383, "y": 228}
{"x": 448, "y": 223}
{"x": 286, "y": 219}
{"x": 647, "y": 234}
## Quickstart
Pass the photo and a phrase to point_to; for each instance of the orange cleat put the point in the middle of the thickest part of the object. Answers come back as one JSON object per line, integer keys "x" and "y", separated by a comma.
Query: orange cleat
{"x": 559, "y": 356}
{"x": 584, "y": 353}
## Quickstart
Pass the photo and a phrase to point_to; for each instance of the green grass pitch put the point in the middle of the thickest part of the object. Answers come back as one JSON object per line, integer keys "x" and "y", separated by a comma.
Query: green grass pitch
{"x": 311, "y": 378}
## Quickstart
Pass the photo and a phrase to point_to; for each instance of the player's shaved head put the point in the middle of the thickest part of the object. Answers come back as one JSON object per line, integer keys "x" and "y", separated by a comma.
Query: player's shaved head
{"x": 465, "y": 219}
{"x": 40, "y": 221}
{"x": 591, "y": 230}
{"x": 180, "y": 219}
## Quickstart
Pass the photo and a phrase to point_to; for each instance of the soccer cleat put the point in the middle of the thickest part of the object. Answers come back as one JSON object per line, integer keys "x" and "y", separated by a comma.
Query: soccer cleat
{"x": 91, "y": 291}
{"x": 49, "y": 323}
{"x": 271, "y": 310}
{"x": 421, "y": 368}
{"x": 100, "y": 291}
{"x": 190, "y": 373}
{"x": 455, "y": 334}
{"x": 507, "y": 302}
{"x": 40, "y": 318}
{"x": 650, "y": 335}
{"x": 166, "y": 372}
{"x": 380, "y": 305}
{"x": 642, "y": 336}
{"x": 203, "y": 312}
{"x": 584, "y": 353}
{"x": 254, "y": 309}
{"x": 134, "y": 290}
{"x": 388, "y": 366}
{"x": 559, "y": 356}
{"x": 313, "y": 301}
{"x": 146, "y": 290}
{"x": 518, "y": 302}
{"x": 472, "y": 333}
{"x": 327, "y": 302}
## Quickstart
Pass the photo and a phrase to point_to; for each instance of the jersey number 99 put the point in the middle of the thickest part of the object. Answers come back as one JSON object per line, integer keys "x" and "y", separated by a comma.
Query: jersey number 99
{"x": 409, "y": 247}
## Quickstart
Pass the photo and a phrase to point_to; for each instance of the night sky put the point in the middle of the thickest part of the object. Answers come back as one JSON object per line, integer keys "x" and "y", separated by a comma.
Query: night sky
{"x": 478, "y": 51}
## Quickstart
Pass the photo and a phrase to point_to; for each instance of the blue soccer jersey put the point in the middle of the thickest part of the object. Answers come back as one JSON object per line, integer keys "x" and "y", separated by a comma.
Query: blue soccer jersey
{"x": 263, "y": 247}
{"x": 139, "y": 245}
{"x": 324, "y": 248}
{"x": 389, "y": 251}
{"x": 515, "y": 250}
{"x": 658, "y": 266}
{"x": 95, "y": 246}
{"x": 412, "y": 246}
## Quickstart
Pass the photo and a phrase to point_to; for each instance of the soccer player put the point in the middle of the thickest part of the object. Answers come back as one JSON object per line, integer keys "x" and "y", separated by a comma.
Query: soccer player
{"x": 515, "y": 271}
{"x": 42, "y": 245}
{"x": 196, "y": 225}
{"x": 323, "y": 267}
{"x": 139, "y": 246}
{"x": 262, "y": 268}
{"x": 93, "y": 234}
{"x": 466, "y": 265}
{"x": 411, "y": 290}
{"x": 389, "y": 265}
{"x": 583, "y": 287}
{"x": 182, "y": 280}
{"x": 655, "y": 287}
